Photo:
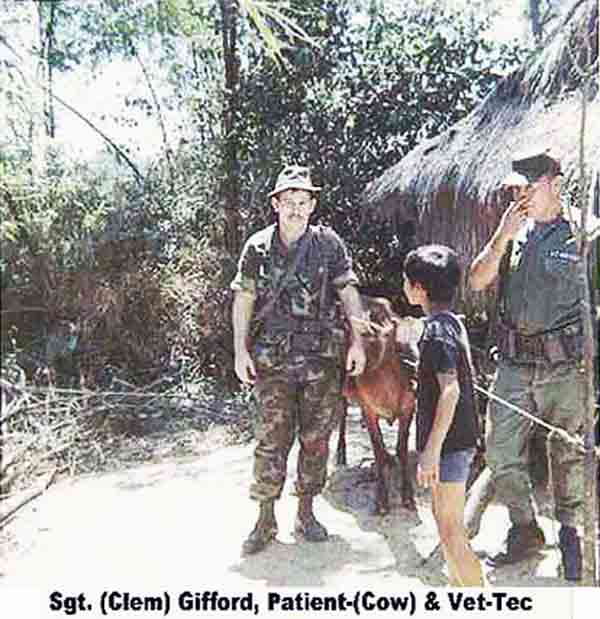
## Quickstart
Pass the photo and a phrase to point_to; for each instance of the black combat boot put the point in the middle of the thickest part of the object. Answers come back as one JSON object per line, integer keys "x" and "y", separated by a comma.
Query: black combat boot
{"x": 264, "y": 531}
{"x": 521, "y": 542}
{"x": 307, "y": 527}
{"x": 570, "y": 550}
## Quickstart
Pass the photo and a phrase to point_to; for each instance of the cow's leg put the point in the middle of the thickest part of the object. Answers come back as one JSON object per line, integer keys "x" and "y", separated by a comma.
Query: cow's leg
{"x": 482, "y": 490}
{"x": 477, "y": 466}
{"x": 340, "y": 456}
{"x": 383, "y": 462}
{"x": 408, "y": 498}
{"x": 480, "y": 495}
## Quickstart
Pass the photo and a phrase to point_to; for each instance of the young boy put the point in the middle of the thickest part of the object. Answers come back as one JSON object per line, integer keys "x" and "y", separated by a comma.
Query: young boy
{"x": 447, "y": 427}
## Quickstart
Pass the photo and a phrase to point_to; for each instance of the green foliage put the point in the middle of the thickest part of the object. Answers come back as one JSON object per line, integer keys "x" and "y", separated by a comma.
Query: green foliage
{"x": 60, "y": 216}
{"x": 348, "y": 92}
{"x": 355, "y": 103}
{"x": 138, "y": 271}
{"x": 199, "y": 307}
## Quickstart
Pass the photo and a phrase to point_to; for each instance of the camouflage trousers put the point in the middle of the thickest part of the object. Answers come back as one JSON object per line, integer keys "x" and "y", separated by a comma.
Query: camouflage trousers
{"x": 556, "y": 395}
{"x": 309, "y": 408}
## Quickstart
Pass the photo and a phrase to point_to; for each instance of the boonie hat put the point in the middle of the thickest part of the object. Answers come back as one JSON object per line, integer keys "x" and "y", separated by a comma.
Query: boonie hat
{"x": 294, "y": 177}
{"x": 528, "y": 167}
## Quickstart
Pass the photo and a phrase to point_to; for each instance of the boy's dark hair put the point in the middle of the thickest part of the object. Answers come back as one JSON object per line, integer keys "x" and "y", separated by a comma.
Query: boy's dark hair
{"x": 437, "y": 269}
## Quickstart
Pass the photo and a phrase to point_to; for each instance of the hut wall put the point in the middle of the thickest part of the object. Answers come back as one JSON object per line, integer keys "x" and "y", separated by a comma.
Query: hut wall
{"x": 465, "y": 225}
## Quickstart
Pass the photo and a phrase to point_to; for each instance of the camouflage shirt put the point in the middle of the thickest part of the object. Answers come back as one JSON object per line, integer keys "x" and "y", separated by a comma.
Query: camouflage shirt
{"x": 308, "y": 300}
{"x": 545, "y": 286}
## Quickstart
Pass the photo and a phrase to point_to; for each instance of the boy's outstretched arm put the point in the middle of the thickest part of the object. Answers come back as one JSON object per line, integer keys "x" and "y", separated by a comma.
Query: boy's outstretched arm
{"x": 428, "y": 469}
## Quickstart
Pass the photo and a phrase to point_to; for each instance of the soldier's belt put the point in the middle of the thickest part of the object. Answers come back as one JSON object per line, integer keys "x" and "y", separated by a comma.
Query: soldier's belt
{"x": 327, "y": 342}
{"x": 554, "y": 347}
{"x": 531, "y": 346}
{"x": 286, "y": 324}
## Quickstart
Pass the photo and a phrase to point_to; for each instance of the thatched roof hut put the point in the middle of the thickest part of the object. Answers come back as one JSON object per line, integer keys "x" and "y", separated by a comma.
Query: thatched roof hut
{"x": 449, "y": 185}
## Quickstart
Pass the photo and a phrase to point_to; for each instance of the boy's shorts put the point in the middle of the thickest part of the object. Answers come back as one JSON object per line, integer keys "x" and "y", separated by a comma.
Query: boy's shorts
{"x": 456, "y": 465}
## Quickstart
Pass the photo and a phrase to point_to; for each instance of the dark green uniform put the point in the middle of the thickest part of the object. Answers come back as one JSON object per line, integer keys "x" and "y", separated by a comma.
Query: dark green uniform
{"x": 540, "y": 370}
{"x": 298, "y": 352}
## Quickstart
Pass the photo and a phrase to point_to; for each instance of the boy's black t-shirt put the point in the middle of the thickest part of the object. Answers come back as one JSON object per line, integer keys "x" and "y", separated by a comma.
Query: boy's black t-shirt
{"x": 444, "y": 346}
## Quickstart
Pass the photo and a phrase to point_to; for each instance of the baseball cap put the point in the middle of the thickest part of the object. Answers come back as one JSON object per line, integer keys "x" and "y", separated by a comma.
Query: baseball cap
{"x": 528, "y": 167}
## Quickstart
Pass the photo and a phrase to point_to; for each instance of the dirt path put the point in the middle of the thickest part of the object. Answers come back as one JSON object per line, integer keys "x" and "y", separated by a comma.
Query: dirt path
{"x": 180, "y": 524}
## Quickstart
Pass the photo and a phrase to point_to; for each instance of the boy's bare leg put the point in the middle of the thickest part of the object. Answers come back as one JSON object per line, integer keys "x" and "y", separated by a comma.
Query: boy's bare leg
{"x": 448, "y": 510}
{"x": 452, "y": 577}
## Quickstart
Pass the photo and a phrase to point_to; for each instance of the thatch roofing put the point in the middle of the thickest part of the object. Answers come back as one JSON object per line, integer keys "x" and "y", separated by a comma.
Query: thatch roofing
{"x": 449, "y": 183}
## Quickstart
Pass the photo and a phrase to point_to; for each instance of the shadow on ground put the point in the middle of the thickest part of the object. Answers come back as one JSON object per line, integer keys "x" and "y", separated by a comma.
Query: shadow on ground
{"x": 299, "y": 564}
{"x": 409, "y": 535}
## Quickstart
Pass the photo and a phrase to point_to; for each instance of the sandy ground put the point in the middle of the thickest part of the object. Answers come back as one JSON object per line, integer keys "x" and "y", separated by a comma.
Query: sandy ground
{"x": 181, "y": 523}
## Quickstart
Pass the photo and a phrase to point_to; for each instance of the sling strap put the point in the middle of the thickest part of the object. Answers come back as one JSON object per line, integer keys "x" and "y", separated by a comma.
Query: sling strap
{"x": 283, "y": 281}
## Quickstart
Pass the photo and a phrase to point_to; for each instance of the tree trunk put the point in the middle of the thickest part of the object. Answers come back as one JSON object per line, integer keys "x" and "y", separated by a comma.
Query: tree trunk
{"x": 230, "y": 189}
{"x": 37, "y": 90}
{"x": 535, "y": 19}
{"x": 49, "y": 47}
{"x": 37, "y": 66}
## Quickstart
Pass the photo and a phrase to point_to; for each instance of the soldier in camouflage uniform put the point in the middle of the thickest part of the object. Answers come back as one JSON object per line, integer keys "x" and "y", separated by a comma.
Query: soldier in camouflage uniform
{"x": 541, "y": 345}
{"x": 289, "y": 341}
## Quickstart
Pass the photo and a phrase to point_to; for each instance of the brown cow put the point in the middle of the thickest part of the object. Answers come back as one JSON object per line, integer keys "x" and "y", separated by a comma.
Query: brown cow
{"x": 386, "y": 389}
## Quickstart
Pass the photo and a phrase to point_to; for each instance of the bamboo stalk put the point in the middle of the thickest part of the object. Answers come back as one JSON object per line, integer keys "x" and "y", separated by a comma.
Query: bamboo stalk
{"x": 589, "y": 356}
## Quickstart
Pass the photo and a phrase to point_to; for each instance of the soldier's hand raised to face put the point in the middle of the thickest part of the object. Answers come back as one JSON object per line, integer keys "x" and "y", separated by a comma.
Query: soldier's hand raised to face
{"x": 514, "y": 218}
